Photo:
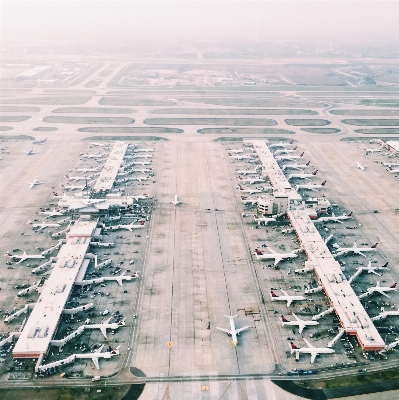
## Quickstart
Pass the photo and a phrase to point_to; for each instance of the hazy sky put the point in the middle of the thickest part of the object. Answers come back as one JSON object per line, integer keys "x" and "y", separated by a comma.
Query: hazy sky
{"x": 256, "y": 20}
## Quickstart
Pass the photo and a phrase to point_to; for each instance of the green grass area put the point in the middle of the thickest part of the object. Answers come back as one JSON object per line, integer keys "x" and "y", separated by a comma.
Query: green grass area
{"x": 321, "y": 130}
{"x": 19, "y": 109}
{"x": 89, "y": 120}
{"x": 45, "y": 129}
{"x": 242, "y": 131}
{"x": 372, "y": 122}
{"x": 62, "y": 100}
{"x": 94, "y": 110}
{"x": 131, "y": 101}
{"x": 240, "y": 139}
{"x": 140, "y": 138}
{"x": 121, "y": 129}
{"x": 5, "y": 138}
{"x": 13, "y": 118}
{"x": 6, "y": 128}
{"x": 366, "y": 113}
{"x": 211, "y": 121}
{"x": 307, "y": 122}
{"x": 224, "y": 111}
{"x": 378, "y": 131}
{"x": 381, "y": 102}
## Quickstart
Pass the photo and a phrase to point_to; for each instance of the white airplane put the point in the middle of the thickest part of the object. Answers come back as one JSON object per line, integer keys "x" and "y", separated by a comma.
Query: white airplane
{"x": 142, "y": 170}
{"x": 281, "y": 144}
{"x": 24, "y": 256}
{"x": 250, "y": 191}
{"x": 393, "y": 170}
{"x": 99, "y": 144}
{"x": 248, "y": 171}
{"x": 289, "y": 158}
{"x": 138, "y": 178}
{"x": 140, "y": 197}
{"x": 355, "y": 250}
{"x": 289, "y": 299}
{"x": 43, "y": 225}
{"x": 379, "y": 289}
{"x": 72, "y": 187}
{"x": 130, "y": 227}
{"x": 248, "y": 200}
{"x": 143, "y": 163}
{"x": 59, "y": 233}
{"x": 30, "y": 152}
{"x": 106, "y": 325}
{"x": 87, "y": 169}
{"x": 285, "y": 151}
{"x": 295, "y": 166}
{"x": 298, "y": 322}
{"x": 369, "y": 269}
{"x": 390, "y": 164}
{"x": 97, "y": 355}
{"x": 360, "y": 166}
{"x": 313, "y": 351}
{"x": 143, "y": 150}
{"x": 79, "y": 178}
{"x": 233, "y": 332}
{"x": 236, "y": 151}
{"x": 273, "y": 255}
{"x": 264, "y": 220}
{"x": 34, "y": 183}
{"x": 40, "y": 141}
{"x": 51, "y": 249}
{"x": 251, "y": 180}
{"x": 176, "y": 202}
{"x": 173, "y": 100}
{"x": 311, "y": 186}
{"x": 240, "y": 157}
{"x": 99, "y": 155}
{"x": 303, "y": 176}
{"x": 143, "y": 156}
{"x": 374, "y": 150}
{"x": 334, "y": 218}
{"x": 53, "y": 213}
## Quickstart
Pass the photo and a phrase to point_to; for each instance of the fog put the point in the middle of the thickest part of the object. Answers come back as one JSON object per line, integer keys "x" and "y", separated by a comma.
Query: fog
{"x": 139, "y": 24}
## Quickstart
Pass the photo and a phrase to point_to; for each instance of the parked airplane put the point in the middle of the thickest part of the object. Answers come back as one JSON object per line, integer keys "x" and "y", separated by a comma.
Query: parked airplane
{"x": 99, "y": 155}
{"x": 379, "y": 289}
{"x": 391, "y": 164}
{"x": 87, "y": 169}
{"x": 233, "y": 332}
{"x": 392, "y": 170}
{"x": 369, "y": 269}
{"x": 251, "y": 180}
{"x": 355, "y": 250}
{"x": 138, "y": 178}
{"x": 360, "y": 166}
{"x": 43, "y": 225}
{"x": 248, "y": 171}
{"x": 289, "y": 299}
{"x": 303, "y": 176}
{"x": 143, "y": 156}
{"x": 130, "y": 227}
{"x": 311, "y": 186}
{"x": 34, "y": 183}
{"x": 277, "y": 257}
{"x": 295, "y": 166}
{"x": 176, "y": 202}
{"x": 40, "y": 141}
{"x": 141, "y": 197}
{"x": 54, "y": 213}
{"x": 72, "y": 187}
{"x": 334, "y": 218}
{"x": 281, "y": 144}
{"x": 142, "y": 170}
{"x": 285, "y": 151}
{"x": 99, "y": 144}
{"x": 298, "y": 322}
{"x": 374, "y": 150}
{"x": 250, "y": 191}
{"x": 143, "y": 150}
{"x": 236, "y": 151}
{"x": 312, "y": 350}
{"x": 140, "y": 163}
{"x": 264, "y": 220}
{"x": 240, "y": 157}
{"x": 97, "y": 355}
{"x": 51, "y": 249}
{"x": 79, "y": 178}
{"x": 282, "y": 158}
{"x": 248, "y": 200}
{"x": 24, "y": 256}
{"x": 106, "y": 325}
{"x": 30, "y": 152}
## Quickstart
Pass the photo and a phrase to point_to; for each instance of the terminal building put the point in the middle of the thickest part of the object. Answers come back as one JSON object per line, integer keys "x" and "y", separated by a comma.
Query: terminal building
{"x": 350, "y": 312}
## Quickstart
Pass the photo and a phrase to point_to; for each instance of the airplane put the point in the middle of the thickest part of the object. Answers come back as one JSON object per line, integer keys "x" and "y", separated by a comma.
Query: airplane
{"x": 32, "y": 184}
{"x": 143, "y": 163}
{"x": 51, "y": 249}
{"x": 379, "y": 289}
{"x": 274, "y": 255}
{"x": 141, "y": 197}
{"x": 298, "y": 321}
{"x": 106, "y": 325}
{"x": 236, "y": 151}
{"x": 311, "y": 186}
{"x": 72, "y": 187}
{"x": 176, "y": 202}
{"x": 355, "y": 250}
{"x": 289, "y": 158}
{"x": 143, "y": 170}
{"x": 233, "y": 332}
{"x": 173, "y": 100}
{"x": 240, "y": 157}
{"x": 248, "y": 172}
{"x": 24, "y": 256}
{"x": 87, "y": 169}
{"x": 42, "y": 225}
{"x": 313, "y": 351}
{"x": 40, "y": 141}
{"x": 285, "y": 151}
{"x": 53, "y": 213}
{"x": 141, "y": 150}
{"x": 295, "y": 166}
{"x": 99, "y": 144}
{"x": 392, "y": 170}
{"x": 374, "y": 150}
{"x": 303, "y": 176}
{"x": 251, "y": 180}
{"x": 78, "y": 178}
{"x": 130, "y": 227}
{"x": 250, "y": 191}
{"x": 248, "y": 200}
{"x": 360, "y": 166}
{"x": 99, "y": 155}
{"x": 30, "y": 152}
{"x": 143, "y": 156}
{"x": 59, "y": 233}
{"x": 138, "y": 178}
{"x": 265, "y": 220}
{"x": 289, "y": 299}
{"x": 281, "y": 144}
{"x": 97, "y": 355}
{"x": 334, "y": 218}
{"x": 369, "y": 269}
{"x": 390, "y": 164}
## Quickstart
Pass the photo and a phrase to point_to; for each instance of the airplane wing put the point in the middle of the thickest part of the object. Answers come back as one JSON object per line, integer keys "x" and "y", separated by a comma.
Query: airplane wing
{"x": 308, "y": 344}
{"x": 289, "y": 301}
{"x": 103, "y": 330}
{"x": 95, "y": 360}
{"x": 360, "y": 253}
{"x": 301, "y": 327}
{"x": 383, "y": 293}
{"x": 228, "y": 331}
{"x": 242, "y": 329}
{"x": 277, "y": 259}
{"x": 312, "y": 357}
{"x": 296, "y": 317}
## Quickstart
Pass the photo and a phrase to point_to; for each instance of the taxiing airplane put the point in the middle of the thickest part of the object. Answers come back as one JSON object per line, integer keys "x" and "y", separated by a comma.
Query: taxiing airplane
{"x": 273, "y": 255}
{"x": 315, "y": 187}
{"x": 248, "y": 200}
{"x": 42, "y": 225}
{"x": 24, "y": 256}
{"x": 355, "y": 250}
{"x": 379, "y": 289}
{"x": 30, "y": 152}
{"x": 264, "y": 220}
{"x": 286, "y": 297}
{"x": 360, "y": 166}
{"x": 40, "y": 141}
{"x": 251, "y": 180}
{"x": 34, "y": 183}
{"x": 298, "y": 322}
{"x": 303, "y": 176}
{"x": 233, "y": 332}
{"x": 250, "y": 191}
{"x": 248, "y": 171}
{"x": 295, "y": 166}
{"x": 176, "y": 202}
{"x": 334, "y": 218}
{"x": 289, "y": 158}
{"x": 312, "y": 350}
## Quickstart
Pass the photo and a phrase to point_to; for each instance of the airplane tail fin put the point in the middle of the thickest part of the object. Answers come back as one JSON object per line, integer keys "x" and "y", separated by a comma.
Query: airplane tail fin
{"x": 350, "y": 214}
{"x": 273, "y": 294}
{"x": 324, "y": 183}
{"x": 283, "y": 319}
{"x": 393, "y": 286}
{"x": 308, "y": 163}
{"x": 315, "y": 172}
{"x": 293, "y": 347}
{"x": 385, "y": 265}
{"x": 301, "y": 155}
{"x": 374, "y": 245}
